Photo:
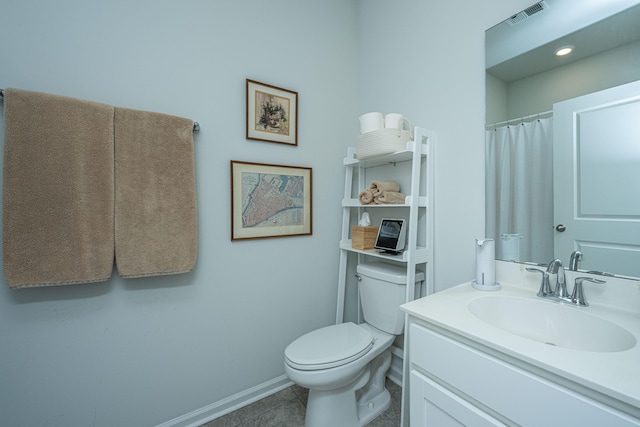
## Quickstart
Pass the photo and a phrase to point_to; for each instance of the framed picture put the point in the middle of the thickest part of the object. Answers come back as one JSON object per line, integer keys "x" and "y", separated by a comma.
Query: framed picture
{"x": 269, "y": 200}
{"x": 272, "y": 113}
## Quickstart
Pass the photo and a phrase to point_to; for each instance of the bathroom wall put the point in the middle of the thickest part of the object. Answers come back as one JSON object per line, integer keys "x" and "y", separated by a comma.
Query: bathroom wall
{"x": 426, "y": 59}
{"x": 142, "y": 352}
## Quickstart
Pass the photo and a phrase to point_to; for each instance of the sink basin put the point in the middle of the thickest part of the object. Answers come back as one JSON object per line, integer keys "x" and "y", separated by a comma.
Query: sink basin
{"x": 552, "y": 324}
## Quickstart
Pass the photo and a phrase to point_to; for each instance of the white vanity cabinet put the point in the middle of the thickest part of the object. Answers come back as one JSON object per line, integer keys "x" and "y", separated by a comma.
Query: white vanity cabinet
{"x": 455, "y": 381}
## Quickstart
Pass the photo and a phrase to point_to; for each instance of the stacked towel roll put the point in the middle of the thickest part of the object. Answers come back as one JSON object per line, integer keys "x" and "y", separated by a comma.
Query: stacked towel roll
{"x": 366, "y": 196}
{"x": 379, "y": 187}
{"x": 389, "y": 197}
{"x": 382, "y": 192}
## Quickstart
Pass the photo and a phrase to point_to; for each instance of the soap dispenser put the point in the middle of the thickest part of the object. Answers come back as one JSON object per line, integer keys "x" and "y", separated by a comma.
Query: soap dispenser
{"x": 486, "y": 265}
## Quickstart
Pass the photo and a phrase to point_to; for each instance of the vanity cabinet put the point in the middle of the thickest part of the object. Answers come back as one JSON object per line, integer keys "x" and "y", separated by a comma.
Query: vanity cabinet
{"x": 457, "y": 382}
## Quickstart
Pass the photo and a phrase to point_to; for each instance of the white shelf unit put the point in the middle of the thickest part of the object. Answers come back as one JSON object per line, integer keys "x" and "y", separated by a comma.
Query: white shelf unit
{"x": 413, "y": 168}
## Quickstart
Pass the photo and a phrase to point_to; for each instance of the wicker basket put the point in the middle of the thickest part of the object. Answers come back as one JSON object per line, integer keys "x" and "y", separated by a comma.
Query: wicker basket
{"x": 380, "y": 142}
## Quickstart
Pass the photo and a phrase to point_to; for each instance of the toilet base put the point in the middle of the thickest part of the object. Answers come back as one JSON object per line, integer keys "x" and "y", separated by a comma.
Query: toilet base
{"x": 355, "y": 404}
{"x": 374, "y": 407}
{"x": 374, "y": 398}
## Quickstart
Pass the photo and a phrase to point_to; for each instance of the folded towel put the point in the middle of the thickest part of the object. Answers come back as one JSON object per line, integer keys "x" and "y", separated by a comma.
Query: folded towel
{"x": 366, "y": 196}
{"x": 155, "y": 195}
{"x": 389, "y": 197}
{"x": 58, "y": 190}
{"x": 378, "y": 187}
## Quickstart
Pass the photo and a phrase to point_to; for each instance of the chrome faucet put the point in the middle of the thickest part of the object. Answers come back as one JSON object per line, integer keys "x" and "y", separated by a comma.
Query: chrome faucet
{"x": 556, "y": 267}
{"x": 576, "y": 257}
{"x": 560, "y": 292}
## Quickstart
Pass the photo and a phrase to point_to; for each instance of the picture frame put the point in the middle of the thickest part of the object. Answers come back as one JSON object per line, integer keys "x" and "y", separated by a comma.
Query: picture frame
{"x": 272, "y": 113}
{"x": 270, "y": 200}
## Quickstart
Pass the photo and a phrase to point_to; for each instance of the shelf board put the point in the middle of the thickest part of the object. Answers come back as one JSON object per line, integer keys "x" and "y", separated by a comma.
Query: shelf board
{"x": 421, "y": 253}
{"x": 355, "y": 203}
{"x": 396, "y": 157}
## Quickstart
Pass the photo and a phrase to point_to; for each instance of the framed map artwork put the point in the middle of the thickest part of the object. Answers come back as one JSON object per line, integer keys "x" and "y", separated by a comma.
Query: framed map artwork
{"x": 269, "y": 200}
{"x": 272, "y": 113}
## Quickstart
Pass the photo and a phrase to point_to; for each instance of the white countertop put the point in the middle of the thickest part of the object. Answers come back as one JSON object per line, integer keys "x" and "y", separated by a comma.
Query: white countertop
{"x": 614, "y": 374}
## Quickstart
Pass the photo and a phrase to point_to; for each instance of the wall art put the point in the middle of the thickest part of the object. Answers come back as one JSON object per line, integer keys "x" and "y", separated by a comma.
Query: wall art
{"x": 272, "y": 113}
{"x": 269, "y": 200}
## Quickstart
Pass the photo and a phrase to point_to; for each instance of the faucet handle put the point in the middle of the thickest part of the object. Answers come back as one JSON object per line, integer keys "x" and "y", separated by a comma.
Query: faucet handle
{"x": 577, "y": 296}
{"x": 545, "y": 286}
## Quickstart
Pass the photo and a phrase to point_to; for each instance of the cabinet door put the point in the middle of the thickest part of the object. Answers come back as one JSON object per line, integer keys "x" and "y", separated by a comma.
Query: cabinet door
{"x": 434, "y": 406}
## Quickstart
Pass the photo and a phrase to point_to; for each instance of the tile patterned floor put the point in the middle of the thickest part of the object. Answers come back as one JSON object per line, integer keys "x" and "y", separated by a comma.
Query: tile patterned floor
{"x": 287, "y": 409}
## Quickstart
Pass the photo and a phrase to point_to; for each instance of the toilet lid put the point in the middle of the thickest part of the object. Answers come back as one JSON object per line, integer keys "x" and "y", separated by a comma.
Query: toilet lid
{"x": 329, "y": 347}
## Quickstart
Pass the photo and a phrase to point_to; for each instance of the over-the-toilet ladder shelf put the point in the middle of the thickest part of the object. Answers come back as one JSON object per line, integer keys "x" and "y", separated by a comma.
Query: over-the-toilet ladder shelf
{"x": 415, "y": 163}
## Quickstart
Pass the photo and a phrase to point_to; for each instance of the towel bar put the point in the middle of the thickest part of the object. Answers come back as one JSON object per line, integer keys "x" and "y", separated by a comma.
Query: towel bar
{"x": 196, "y": 125}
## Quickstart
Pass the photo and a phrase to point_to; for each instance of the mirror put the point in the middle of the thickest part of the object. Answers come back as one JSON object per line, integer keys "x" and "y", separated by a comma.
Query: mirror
{"x": 523, "y": 82}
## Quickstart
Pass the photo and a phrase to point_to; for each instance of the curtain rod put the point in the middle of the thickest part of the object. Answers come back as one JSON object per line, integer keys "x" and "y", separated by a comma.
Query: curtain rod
{"x": 520, "y": 119}
{"x": 196, "y": 125}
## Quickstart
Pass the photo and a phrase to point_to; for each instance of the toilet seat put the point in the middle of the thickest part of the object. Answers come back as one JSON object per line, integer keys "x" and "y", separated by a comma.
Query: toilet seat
{"x": 329, "y": 347}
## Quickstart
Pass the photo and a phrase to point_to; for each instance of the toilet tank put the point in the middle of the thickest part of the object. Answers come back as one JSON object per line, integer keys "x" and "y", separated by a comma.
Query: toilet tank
{"x": 382, "y": 291}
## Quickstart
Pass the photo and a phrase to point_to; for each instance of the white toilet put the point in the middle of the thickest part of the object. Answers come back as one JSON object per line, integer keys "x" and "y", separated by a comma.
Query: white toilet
{"x": 344, "y": 366}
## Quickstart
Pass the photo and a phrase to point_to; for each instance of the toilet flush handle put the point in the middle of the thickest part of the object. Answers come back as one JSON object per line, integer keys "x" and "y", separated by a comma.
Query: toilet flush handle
{"x": 358, "y": 277}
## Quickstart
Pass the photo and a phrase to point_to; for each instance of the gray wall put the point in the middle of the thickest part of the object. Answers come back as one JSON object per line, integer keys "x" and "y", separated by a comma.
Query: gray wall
{"x": 141, "y": 352}
{"x": 426, "y": 60}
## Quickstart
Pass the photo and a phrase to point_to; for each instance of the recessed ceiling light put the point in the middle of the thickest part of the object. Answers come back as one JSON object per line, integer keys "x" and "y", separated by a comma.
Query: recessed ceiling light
{"x": 564, "y": 50}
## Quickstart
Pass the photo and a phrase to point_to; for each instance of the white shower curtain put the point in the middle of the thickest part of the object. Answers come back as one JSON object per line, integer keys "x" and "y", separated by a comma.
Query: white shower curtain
{"x": 519, "y": 187}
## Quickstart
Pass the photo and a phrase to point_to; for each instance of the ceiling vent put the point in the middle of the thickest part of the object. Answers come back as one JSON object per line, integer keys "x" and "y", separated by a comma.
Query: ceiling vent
{"x": 527, "y": 13}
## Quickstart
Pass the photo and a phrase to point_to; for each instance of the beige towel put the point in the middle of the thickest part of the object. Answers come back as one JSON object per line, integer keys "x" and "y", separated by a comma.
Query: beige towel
{"x": 155, "y": 195}
{"x": 378, "y": 187}
{"x": 389, "y": 197}
{"x": 58, "y": 190}
{"x": 366, "y": 196}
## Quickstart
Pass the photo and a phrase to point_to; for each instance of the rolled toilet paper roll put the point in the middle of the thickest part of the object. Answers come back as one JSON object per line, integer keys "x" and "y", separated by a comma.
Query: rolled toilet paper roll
{"x": 370, "y": 122}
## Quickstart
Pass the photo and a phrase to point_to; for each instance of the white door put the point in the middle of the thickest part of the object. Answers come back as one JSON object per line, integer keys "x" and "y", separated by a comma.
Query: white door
{"x": 597, "y": 179}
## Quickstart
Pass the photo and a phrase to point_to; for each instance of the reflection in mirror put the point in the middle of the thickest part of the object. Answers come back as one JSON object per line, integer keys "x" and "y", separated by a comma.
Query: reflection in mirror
{"x": 525, "y": 83}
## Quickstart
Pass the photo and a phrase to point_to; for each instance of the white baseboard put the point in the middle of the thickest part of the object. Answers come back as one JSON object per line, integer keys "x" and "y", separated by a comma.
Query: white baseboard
{"x": 230, "y": 404}
{"x": 246, "y": 397}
